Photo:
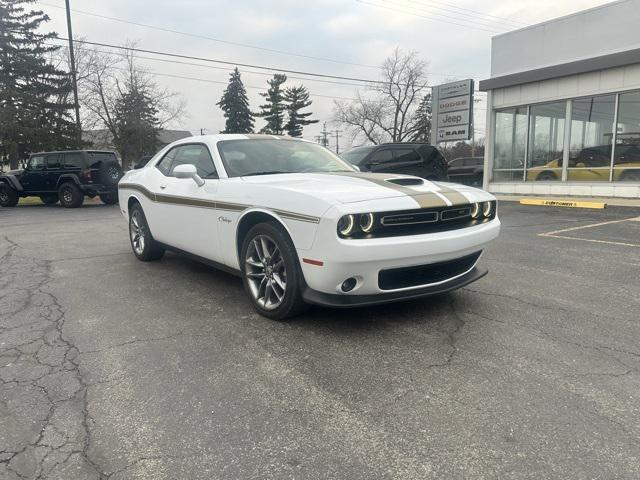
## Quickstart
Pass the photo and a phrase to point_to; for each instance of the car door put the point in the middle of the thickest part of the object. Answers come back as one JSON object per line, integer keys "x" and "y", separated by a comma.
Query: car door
{"x": 34, "y": 178}
{"x": 186, "y": 213}
{"x": 54, "y": 170}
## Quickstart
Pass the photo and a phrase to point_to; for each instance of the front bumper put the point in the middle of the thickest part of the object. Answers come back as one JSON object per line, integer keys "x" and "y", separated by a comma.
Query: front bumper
{"x": 351, "y": 301}
{"x": 364, "y": 259}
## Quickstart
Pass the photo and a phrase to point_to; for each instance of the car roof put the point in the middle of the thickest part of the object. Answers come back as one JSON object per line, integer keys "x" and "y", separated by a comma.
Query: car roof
{"x": 219, "y": 137}
{"x": 74, "y": 151}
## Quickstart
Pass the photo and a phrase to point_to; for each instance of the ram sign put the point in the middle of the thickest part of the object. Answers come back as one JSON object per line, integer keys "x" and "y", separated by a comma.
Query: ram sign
{"x": 452, "y": 111}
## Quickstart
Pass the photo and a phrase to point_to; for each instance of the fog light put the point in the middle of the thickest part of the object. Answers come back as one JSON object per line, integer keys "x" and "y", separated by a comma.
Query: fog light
{"x": 475, "y": 211}
{"x": 349, "y": 284}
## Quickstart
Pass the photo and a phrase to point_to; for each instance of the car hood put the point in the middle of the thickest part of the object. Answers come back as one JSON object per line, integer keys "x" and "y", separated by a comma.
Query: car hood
{"x": 351, "y": 187}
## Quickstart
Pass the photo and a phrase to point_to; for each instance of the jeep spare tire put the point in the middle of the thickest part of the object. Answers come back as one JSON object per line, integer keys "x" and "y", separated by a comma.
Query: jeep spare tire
{"x": 109, "y": 173}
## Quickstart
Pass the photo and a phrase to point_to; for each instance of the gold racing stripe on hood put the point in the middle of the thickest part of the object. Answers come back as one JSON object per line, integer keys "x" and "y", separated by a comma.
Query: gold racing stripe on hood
{"x": 423, "y": 199}
{"x": 455, "y": 197}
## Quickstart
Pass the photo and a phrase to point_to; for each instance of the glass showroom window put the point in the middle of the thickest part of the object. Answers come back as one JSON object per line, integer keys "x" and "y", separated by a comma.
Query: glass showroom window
{"x": 591, "y": 135}
{"x": 546, "y": 141}
{"x": 509, "y": 144}
{"x": 626, "y": 160}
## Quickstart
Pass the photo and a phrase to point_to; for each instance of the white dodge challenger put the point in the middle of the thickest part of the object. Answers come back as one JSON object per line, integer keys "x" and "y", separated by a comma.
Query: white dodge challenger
{"x": 301, "y": 226}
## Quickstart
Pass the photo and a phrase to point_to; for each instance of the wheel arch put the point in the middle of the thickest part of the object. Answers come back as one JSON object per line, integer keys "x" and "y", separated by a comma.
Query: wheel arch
{"x": 252, "y": 217}
{"x": 65, "y": 178}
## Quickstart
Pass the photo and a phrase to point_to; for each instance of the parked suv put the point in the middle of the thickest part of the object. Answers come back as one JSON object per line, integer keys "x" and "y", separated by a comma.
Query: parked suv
{"x": 467, "y": 170}
{"x": 65, "y": 176}
{"x": 419, "y": 159}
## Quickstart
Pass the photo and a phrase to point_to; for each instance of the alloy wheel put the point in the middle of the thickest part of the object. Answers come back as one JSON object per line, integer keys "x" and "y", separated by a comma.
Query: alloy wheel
{"x": 113, "y": 173}
{"x": 67, "y": 195}
{"x": 4, "y": 197}
{"x": 265, "y": 271}
{"x": 138, "y": 232}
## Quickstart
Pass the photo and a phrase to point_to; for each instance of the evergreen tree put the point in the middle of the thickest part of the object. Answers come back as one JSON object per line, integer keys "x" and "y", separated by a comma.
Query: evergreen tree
{"x": 33, "y": 113}
{"x": 296, "y": 99}
{"x": 273, "y": 110}
{"x": 235, "y": 105}
{"x": 137, "y": 124}
{"x": 422, "y": 131}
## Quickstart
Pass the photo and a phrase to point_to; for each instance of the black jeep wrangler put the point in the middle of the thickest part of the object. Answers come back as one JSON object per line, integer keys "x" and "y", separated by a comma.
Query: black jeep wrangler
{"x": 66, "y": 176}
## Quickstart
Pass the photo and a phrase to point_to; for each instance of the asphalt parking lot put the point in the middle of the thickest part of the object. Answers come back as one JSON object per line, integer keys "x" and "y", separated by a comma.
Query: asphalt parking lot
{"x": 112, "y": 368}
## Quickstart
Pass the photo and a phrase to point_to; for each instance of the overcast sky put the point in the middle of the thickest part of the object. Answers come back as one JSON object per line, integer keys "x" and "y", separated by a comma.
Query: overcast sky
{"x": 448, "y": 34}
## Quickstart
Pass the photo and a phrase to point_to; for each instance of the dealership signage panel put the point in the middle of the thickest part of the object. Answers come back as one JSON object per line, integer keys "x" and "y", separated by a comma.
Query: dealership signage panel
{"x": 453, "y": 111}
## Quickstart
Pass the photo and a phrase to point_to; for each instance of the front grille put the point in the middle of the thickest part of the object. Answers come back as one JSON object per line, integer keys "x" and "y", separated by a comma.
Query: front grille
{"x": 395, "y": 278}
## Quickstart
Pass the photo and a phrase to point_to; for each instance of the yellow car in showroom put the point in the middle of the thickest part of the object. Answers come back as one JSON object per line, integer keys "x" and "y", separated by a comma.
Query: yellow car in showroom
{"x": 592, "y": 165}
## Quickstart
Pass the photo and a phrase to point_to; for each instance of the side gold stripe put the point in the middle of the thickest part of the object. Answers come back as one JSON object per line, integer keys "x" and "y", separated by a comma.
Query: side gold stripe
{"x": 197, "y": 202}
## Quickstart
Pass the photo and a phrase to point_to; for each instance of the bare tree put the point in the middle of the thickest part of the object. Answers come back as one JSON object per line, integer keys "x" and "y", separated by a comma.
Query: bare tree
{"x": 388, "y": 111}
{"x": 104, "y": 77}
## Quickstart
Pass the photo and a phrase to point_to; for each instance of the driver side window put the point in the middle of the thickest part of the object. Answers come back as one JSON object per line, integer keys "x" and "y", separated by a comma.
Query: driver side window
{"x": 36, "y": 163}
{"x": 193, "y": 154}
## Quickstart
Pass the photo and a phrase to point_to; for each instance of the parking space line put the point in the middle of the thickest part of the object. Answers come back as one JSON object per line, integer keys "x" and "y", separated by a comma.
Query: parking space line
{"x": 556, "y": 233}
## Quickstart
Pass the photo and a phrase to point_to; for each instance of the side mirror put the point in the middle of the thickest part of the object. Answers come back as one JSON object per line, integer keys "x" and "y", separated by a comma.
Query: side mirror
{"x": 188, "y": 171}
{"x": 357, "y": 168}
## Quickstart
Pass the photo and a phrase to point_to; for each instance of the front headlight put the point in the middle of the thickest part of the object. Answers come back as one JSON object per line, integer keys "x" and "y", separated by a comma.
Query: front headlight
{"x": 475, "y": 211}
{"x": 487, "y": 209}
{"x": 346, "y": 225}
{"x": 366, "y": 222}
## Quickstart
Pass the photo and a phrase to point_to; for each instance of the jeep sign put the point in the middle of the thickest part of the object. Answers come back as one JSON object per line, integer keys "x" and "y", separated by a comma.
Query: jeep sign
{"x": 452, "y": 111}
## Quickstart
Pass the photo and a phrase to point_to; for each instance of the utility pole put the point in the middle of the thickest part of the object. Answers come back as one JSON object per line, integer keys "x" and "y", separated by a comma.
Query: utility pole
{"x": 74, "y": 79}
{"x": 337, "y": 132}
{"x": 324, "y": 132}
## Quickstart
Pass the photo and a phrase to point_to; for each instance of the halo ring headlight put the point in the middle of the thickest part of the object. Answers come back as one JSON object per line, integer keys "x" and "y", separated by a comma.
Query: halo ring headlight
{"x": 346, "y": 225}
{"x": 366, "y": 222}
{"x": 487, "y": 209}
{"x": 475, "y": 211}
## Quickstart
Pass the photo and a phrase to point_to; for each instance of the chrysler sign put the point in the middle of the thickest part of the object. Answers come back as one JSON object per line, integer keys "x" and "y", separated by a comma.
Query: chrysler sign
{"x": 452, "y": 111}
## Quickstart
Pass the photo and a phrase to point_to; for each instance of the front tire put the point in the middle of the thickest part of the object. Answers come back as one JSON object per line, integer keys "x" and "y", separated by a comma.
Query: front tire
{"x": 70, "y": 195}
{"x": 110, "y": 198}
{"x": 270, "y": 272}
{"x": 8, "y": 196}
{"x": 144, "y": 247}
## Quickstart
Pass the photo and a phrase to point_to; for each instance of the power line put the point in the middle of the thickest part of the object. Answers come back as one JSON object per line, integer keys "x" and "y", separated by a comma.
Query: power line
{"x": 407, "y": 12}
{"x": 206, "y": 80}
{"x": 202, "y": 59}
{"x": 424, "y": 8}
{"x": 213, "y": 39}
{"x": 480, "y": 14}
{"x": 226, "y": 69}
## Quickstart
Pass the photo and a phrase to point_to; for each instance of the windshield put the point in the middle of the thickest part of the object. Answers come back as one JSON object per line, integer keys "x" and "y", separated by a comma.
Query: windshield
{"x": 267, "y": 156}
{"x": 356, "y": 155}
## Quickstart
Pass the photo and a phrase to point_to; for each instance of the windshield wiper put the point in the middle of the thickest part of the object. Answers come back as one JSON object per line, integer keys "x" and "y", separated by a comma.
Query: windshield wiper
{"x": 272, "y": 172}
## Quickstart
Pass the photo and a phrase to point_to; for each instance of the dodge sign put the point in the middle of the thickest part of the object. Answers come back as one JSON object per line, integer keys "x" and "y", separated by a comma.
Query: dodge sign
{"x": 453, "y": 111}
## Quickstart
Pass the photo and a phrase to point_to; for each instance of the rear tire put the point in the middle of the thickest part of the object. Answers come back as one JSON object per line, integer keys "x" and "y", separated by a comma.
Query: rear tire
{"x": 110, "y": 198}
{"x": 49, "y": 199}
{"x": 144, "y": 247}
{"x": 271, "y": 273}
{"x": 8, "y": 196}
{"x": 70, "y": 195}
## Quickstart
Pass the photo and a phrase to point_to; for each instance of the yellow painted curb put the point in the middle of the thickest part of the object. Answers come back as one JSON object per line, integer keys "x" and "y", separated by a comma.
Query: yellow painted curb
{"x": 562, "y": 203}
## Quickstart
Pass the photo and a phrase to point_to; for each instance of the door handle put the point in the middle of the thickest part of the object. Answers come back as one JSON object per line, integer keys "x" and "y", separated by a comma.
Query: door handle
{"x": 163, "y": 187}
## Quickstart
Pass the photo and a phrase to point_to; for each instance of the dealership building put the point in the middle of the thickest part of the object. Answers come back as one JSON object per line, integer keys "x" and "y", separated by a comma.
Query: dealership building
{"x": 563, "y": 106}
